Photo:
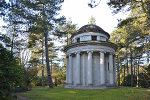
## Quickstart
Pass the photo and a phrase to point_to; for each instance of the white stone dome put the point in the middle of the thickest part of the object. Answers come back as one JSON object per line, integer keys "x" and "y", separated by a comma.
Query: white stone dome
{"x": 90, "y": 32}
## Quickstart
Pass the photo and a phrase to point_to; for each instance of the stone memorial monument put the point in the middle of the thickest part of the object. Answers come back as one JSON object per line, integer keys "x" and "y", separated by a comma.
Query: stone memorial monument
{"x": 90, "y": 60}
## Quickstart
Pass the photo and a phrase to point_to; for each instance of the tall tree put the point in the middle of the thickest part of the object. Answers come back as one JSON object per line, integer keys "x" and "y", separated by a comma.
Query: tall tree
{"x": 52, "y": 53}
{"x": 132, "y": 5}
{"x": 36, "y": 45}
{"x": 10, "y": 14}
{"x": 43, "y": 14}
{"x": 66, "y": 30}
{"x": 125, "y": 37}
{"x": 129, "y": 5}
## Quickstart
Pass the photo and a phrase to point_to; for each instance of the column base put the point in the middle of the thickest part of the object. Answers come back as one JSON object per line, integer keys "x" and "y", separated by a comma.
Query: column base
{"x": 102, "y": 84}
{"x": 69, "y": 83}
{"x": 78, "y": 83}
{"x": 90, "y": 84}
{"x": 112, "y": 85}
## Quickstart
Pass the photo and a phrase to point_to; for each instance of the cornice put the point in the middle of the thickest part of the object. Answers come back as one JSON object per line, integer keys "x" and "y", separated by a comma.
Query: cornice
{"x": 97, "y": 43}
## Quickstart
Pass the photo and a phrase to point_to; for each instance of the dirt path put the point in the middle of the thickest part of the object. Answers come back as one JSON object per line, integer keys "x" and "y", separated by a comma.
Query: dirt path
{"x": 20, "y": 97}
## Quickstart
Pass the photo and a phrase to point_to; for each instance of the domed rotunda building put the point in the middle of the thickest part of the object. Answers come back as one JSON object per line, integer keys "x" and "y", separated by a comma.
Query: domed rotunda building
{"x": 90, "y": 60}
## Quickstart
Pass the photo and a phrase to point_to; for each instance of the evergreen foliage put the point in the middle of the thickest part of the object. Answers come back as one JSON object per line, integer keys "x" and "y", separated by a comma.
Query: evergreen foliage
{"x": 38, "y": 81}
{"x": 43, "y": 20}
{"x": 127, "y": 81}
{"x": 132, "y": 37}
{"x": 66, "y": 30}
{"x": 10, "y": 73}
{"x": 144, "y": 79}
{"x": 92, "y": 21}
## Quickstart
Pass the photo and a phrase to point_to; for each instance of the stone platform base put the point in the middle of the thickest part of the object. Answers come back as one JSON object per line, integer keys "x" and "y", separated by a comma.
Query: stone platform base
{"x": 91, "y": 87}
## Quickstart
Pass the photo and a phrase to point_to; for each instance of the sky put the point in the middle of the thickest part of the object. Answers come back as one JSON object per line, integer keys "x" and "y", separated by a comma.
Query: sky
{"x": 80, "y": 14}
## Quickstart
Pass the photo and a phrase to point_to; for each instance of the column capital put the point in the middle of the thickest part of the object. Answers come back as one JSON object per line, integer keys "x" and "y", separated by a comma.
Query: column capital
{"x": 89, "y": 51}
{"x": 77, "y": 52}
{"x": 102, "y": 52}
{"x": 70, "y": 54}
{"x": 110, "y": 53}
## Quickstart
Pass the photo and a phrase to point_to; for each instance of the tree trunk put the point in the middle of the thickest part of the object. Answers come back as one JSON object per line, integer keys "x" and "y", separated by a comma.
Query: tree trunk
{"x": 147, "y": 11}
{"x": 12, "y": 41}
{"x": 124, "y": 72}
{"x": 148, "y": 50}
{"x": 47, "y": 63}
{"x": 148, "y": 15}
{"x": 67, "y": 38}
{"x": 43, "y": 76}
{"x": 51, "y": 66}
{"x": 127, "y": 62}
{"x": 127, "y": 68}
{"x": 137, "y": 75}
{"x": 42, "y": 65}
{"x": 134, "y": 70}
{"x": 131, "y": 67}
{"x": 118, "y": 74}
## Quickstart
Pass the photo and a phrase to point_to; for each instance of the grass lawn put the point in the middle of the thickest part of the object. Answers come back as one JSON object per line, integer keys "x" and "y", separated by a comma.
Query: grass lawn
{"x": 61, "y": 93}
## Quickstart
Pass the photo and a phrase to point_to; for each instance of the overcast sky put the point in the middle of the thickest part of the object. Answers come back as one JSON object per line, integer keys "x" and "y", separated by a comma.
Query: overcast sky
{"x": 80, "y": 13}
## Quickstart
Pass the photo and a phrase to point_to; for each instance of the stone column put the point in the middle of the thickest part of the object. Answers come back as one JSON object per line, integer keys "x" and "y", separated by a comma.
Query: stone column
{"x": 89, "y": 68}
{"x": 102, "y": 68}
{"x": 111, "y": 80}
{"x": 67, "y": 71}
{"x": 70, "y": 70}
{"x": 83, "y": 68}
{"x": 78, "y": 68}
{"x": 115, "y": 70}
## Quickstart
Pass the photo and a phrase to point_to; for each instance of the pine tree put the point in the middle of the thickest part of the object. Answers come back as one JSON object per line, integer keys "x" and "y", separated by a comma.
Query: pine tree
{"x": 66, "y": 30}
{"x": 138, "y": 7}
{"x": 92, "y": 21}
{"x": 43, "y": 21}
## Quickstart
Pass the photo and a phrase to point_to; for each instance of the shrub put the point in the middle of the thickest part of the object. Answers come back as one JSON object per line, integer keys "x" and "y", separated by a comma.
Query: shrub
{"x": 10, "y": 73}
{"x": 144, "y": 80}
{"x": 127, "y": 81}
{"x": 38, "y": 81}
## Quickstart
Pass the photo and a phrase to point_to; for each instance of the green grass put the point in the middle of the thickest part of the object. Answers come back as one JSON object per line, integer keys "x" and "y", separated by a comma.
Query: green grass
{"x": 61, "y": 93}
